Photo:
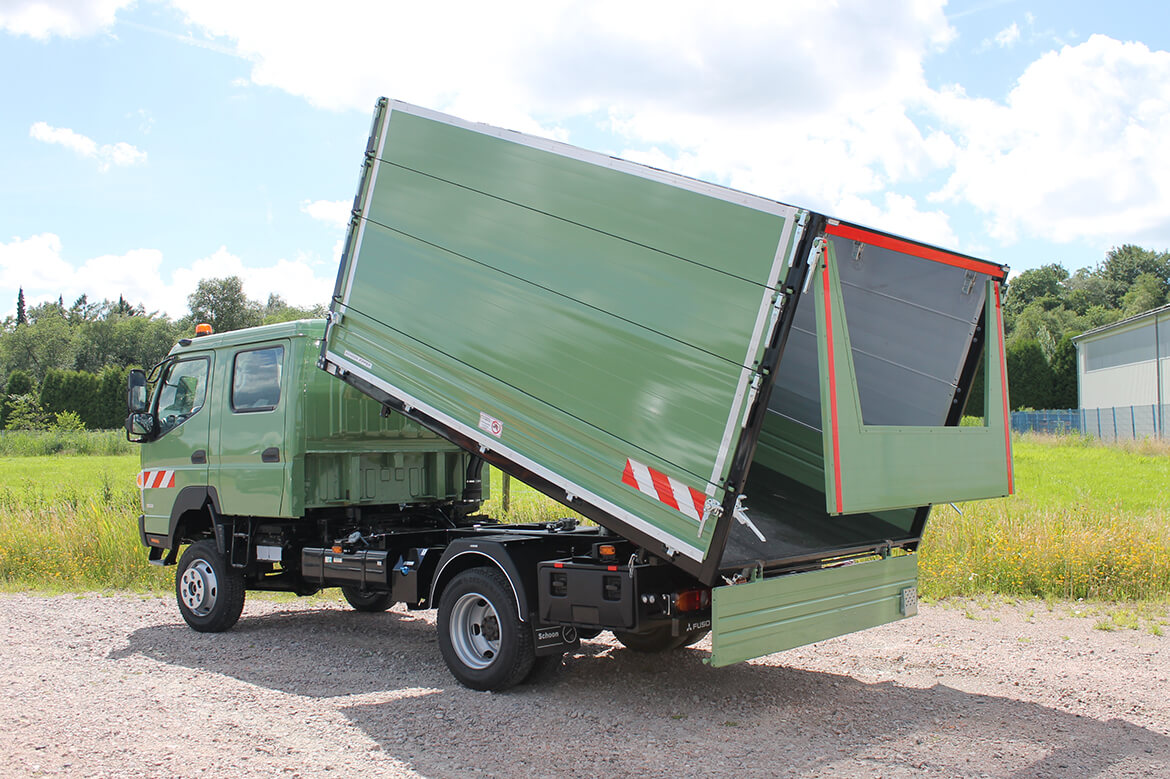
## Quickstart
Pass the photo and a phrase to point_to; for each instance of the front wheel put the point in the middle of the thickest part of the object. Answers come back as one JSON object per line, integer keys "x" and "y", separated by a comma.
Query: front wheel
{"x": 364, "y": 600}
{"x": 209, "y": 591}
{"x": 481, "y": 637}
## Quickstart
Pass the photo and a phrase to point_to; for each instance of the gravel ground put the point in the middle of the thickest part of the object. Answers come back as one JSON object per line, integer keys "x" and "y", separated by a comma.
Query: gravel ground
{"x": 119, "y": 686}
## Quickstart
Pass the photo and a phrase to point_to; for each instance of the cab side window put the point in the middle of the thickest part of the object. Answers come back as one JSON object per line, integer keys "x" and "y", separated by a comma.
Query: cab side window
{"x": 181, "y": 393}
{"x": 256, "y": 379}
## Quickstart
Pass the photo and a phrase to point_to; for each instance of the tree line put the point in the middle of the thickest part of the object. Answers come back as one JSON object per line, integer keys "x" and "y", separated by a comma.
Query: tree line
{"x": 66, "y": 367}
{"x": 1045, "y": 307}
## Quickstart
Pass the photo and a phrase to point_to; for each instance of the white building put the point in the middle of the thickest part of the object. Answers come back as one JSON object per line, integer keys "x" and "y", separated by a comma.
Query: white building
{"x": 1124, "y": 369}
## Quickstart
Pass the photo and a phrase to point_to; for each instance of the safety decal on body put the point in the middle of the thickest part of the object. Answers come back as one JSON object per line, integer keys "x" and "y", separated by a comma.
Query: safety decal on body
{"x": 670, "y": 491}
{"x": 156, "y": 479}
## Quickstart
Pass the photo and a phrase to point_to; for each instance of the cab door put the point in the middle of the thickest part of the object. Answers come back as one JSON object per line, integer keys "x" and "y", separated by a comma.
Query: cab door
{"x": 250, "y": 468}
{"x": 177, "y": 458}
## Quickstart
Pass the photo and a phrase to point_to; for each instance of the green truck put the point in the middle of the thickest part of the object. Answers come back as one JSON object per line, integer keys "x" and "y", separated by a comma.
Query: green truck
{"x": 754, "y": 404}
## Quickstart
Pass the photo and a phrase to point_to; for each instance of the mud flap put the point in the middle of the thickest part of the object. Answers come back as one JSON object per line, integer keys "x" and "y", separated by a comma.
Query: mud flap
{"x": 771, "y": 615}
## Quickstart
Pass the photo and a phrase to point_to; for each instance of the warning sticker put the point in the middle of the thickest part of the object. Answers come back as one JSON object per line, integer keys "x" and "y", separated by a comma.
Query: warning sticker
{"x": 490, "y": 425}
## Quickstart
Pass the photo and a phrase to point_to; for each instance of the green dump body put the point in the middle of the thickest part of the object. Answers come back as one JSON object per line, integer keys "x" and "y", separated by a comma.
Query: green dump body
{"x": 750, "y": 390}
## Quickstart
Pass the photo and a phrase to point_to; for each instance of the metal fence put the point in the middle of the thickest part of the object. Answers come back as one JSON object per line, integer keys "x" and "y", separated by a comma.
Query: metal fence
{"x": 1124, "y": 423}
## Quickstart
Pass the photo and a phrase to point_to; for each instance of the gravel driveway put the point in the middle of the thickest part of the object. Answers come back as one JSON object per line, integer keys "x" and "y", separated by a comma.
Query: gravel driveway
{"x": 119, "y": 686}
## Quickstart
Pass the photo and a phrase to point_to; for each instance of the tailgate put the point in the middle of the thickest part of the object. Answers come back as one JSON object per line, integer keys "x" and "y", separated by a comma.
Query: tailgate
{"x": 771, "y": 615}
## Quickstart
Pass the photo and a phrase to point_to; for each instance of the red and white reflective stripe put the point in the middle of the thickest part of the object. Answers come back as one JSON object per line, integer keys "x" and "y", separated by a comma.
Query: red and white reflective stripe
{"x": 670, "y": 491}
{"x": 156, "y": 479}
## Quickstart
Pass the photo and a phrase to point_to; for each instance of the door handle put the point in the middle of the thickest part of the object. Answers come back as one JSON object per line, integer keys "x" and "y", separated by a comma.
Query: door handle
{"x": 270, "y": 455}
{"x": 199, "y": 457}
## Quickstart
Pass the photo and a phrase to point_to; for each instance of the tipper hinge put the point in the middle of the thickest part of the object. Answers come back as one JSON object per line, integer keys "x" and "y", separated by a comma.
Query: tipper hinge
{"x": 712, "y": 508}
{"x": 742, "y": 517}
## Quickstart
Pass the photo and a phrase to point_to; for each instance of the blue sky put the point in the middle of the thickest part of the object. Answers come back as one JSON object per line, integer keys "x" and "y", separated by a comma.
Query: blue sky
{"x": 145, "y": 145}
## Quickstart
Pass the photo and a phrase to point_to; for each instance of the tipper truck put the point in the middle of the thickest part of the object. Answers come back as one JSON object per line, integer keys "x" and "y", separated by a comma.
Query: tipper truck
{"x": 753, "y": 405}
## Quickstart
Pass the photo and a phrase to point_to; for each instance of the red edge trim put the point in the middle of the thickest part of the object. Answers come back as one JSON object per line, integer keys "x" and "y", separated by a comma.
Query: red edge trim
{"x": 1007, "y": 422}
{"x": 832, "y": 383}
{"x": 925, "y": 252}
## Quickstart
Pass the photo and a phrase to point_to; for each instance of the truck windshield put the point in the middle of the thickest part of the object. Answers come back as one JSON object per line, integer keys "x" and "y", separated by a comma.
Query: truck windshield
{"x": 181, "y": 392}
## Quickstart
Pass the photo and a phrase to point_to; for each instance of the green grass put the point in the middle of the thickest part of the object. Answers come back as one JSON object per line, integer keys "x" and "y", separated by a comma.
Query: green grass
{"x": 1087, "y": 521}
{"x": 70, "y": 523}
{"x": 38, "y": 443}
{"x": 524, "y": 505}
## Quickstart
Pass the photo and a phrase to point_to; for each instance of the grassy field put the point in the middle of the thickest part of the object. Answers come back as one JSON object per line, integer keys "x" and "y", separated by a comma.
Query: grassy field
{"x": 1087, "y": 521}
{"x": 70, "y": 523}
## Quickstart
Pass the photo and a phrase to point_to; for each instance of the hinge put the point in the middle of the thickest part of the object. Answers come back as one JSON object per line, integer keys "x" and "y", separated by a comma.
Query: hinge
{"x": 712, "y": 508}
{"x": 742, "y": 517}
{"x": 813, "y": 256}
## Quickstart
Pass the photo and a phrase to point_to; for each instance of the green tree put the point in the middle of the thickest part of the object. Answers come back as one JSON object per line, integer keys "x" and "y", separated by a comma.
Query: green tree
{"x": 1037, "y": 284}
{"x": 19, "y": 383}
{"x": 1064, "y": 375}
{"x": 68, "y": 421}
{"x": 1030, "y": 377}
{"x": 121, "y": 340}
{"x": 223, "y": 304}
{"x": 1147, "y": 291}
{"x": 277, "y": 310}
{"x": 75, "y": 391}
{"x": 112, "y": 382}
{"x": 45, "y": 342}
{"x": 1124, "y": 265}
{"x": 21, "y": 315}
{"x": 25, "y": 413}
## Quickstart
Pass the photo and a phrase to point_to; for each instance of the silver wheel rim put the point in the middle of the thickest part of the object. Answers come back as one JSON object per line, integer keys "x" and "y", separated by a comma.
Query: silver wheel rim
{"x": 475, "y": 631}
{"x": 198, "y": 588}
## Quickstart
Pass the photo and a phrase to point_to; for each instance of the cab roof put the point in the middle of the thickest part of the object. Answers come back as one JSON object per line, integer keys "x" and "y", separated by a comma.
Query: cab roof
{"x": 301, "y": 328}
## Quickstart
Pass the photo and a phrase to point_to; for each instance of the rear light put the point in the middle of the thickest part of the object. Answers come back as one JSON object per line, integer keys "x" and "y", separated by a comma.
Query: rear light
{"x": 692, "y": 600}
{"x": 607, "y": 551}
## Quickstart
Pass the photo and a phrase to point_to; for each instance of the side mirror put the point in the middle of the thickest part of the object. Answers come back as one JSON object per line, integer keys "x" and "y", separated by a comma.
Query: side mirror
{"x": 139, "y": 427}
{"x": 136, "y": 393}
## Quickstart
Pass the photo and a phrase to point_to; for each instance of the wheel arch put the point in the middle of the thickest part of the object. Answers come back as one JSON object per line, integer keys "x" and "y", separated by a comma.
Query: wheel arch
{"x": 457, "y": 560}
{"x": 191, "y": 518}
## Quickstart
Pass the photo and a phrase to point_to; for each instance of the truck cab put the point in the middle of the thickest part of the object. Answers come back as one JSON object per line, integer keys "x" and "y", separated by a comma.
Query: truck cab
{"x": 243, "y": 424}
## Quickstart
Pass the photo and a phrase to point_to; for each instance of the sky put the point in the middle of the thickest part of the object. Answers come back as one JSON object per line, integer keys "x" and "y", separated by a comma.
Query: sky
{"x": 148, "y": 144}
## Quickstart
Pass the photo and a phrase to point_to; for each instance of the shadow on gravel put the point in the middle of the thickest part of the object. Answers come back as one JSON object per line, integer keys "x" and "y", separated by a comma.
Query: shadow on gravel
{"x": 687, "y": 718}
{"x": 321, "y": 653}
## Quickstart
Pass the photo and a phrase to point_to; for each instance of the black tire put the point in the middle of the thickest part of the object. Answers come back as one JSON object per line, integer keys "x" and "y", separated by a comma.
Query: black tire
{"x": 693, "y": 637}
{"x": 364, "y": 600}
{"x": 481, "y": 637}
{"x": 659, "y": 639}
{"x": 587, "y": 633}
{"x": 209, "y": 591}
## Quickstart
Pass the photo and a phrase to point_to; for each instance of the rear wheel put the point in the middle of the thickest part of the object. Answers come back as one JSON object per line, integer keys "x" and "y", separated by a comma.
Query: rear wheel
{"x": 659, "y": 639}
{"x": 481, "y": 637}
{"x": 209, "y": 591}
{"x": 692, "y": 637}
{"x": 364, "y": 600}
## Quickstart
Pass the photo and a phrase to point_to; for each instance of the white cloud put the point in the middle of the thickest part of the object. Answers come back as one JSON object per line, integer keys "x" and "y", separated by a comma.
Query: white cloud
{"x": 120, "y": 154}
{"x": 1076, "y": 152}
{"x": 800, "y": 101}
{"x": 39, "y": 265}
{"x": 1008, "y": 36}
{"x": 42, "y": 19}
{"x": 900, "y": 214}
{"x": 333, "y": 212}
